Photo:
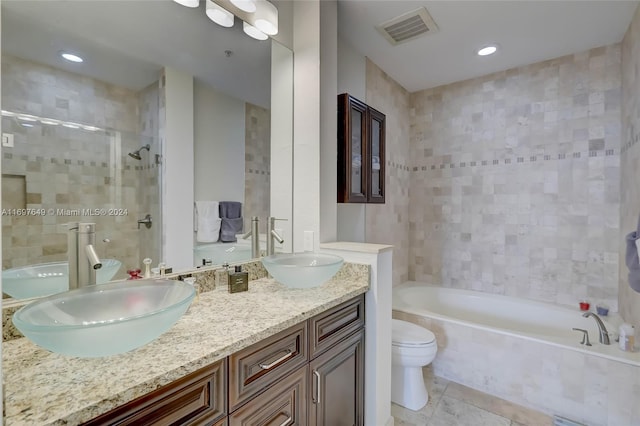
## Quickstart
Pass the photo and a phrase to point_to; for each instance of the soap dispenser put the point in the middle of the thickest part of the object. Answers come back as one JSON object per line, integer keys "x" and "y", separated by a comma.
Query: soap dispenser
{"x": 238, "y": 281}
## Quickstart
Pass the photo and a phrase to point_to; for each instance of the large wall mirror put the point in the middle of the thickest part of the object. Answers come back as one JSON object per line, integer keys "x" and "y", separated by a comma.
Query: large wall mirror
{"x": 83, "y": 141}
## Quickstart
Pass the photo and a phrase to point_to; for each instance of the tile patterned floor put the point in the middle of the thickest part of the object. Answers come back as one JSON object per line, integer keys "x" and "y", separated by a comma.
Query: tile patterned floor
{"x": 451, "y": 404}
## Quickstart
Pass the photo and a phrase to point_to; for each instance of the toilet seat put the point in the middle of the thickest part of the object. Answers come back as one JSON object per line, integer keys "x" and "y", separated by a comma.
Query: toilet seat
{"x": 406, "y": 334}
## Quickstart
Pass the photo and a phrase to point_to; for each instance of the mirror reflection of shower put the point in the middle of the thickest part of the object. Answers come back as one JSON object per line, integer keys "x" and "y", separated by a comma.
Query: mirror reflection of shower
{"x": 136, "y": 154}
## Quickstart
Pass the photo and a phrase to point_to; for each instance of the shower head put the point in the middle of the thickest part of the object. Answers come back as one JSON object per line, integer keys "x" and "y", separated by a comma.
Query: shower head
{"x": 136, "y": 154}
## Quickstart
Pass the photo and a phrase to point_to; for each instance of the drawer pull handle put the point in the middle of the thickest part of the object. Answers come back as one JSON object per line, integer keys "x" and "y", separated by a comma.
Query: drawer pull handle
{"x": 277, "y": 361}
{"x": 317, "y": 375}
{"x": 287, "y": 422}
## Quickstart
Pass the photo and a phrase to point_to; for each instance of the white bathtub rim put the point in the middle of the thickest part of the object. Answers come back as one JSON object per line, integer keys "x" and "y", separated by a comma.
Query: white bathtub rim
{"x": 610, "y": 352}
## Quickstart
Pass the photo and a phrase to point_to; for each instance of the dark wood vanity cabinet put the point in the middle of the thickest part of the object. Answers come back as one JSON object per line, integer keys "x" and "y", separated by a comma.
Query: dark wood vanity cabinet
{"x": 337, "y": 365}
{"x": 197, "y": 399}
{"x": 309, "y": 374}
{"x": 361, "y": 152}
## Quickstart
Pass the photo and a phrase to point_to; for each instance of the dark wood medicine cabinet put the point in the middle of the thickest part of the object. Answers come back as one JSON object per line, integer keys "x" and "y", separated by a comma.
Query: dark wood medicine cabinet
{"x": 361, "y": 152}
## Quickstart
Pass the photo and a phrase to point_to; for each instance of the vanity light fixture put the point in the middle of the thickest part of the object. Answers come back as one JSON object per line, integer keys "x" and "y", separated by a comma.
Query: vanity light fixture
{"x": 219, "y": 15}
{"x": 71, "y": 57}
{"x": 488, "y": 50}
{"x": 252, "y": 31}
{"x": 27, "y": 118}
{"x": 71, "y": 125}
{"x": 188, "y": 3}
{"x": 266, "y": 17}
{"x": 248, "y": 6}
{"x": 49, "y": 122}
{"x": 26, "y": 124}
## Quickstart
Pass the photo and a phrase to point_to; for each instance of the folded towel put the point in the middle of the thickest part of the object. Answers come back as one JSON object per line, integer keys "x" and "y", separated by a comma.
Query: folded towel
{"x": 230, "y": 209}
{"x": 631, "y": 259}
{"x": 229, "y": 229}
{"x": 207, "y": 221}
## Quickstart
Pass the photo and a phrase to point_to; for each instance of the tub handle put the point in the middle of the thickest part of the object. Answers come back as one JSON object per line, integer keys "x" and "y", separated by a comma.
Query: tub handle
{"x": 585, "y": 336}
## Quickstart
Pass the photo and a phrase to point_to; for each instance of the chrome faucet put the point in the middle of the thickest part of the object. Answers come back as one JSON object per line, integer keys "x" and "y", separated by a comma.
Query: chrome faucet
{"x": 81, "y": 252}
{"x": 254, "y": 233}
{"x": 604, "y": 334}
{"x": 272, "y": 236}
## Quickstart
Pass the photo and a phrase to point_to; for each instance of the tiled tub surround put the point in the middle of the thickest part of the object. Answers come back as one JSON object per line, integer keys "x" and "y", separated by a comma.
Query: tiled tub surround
{"x": 515, "y": 181}
{"x": 586, "y": 385}
{"x": 75, "y": 168}
{"x": 388, "y": 223}
{"x": 43, "y": 388}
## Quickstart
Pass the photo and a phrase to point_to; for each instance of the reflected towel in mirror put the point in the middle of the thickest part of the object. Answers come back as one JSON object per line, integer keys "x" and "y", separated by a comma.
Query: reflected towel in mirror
{"x": 207, "y": 221}
{"x": 229, "y": 229}
{"x": 230, "y": 209}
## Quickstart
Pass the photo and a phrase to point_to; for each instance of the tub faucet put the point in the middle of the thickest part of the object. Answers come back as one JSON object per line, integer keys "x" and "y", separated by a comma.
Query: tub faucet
{"x": 604, "y": 335}
{"x": 83, "y": 259}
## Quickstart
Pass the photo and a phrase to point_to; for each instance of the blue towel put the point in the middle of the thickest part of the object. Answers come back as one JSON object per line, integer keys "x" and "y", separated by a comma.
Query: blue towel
{"x": 631, "y": 259}
{"x": 230, "y": 209}
{"x": 229, "y": 228}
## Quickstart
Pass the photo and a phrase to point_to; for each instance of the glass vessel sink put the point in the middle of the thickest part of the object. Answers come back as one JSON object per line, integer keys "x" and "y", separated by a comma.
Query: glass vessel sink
{"x": 48, "y": 278}
{"x": 107, "y": 319}
{"x": 220, "y": 253}
{"x": 302, "y": 270}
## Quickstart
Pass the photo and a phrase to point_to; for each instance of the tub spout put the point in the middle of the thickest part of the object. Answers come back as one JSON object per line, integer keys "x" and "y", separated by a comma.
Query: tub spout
{"x": 604, "y": 334}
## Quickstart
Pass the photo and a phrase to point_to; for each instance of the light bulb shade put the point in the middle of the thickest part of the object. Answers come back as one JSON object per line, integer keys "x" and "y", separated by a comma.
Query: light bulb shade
{"x": 248, "y": 6}
{"x": 188, "y": 3}
{"x": 252, "y": 31}
{"x": 266, "y": 17}
{"x": 219, "y": 15}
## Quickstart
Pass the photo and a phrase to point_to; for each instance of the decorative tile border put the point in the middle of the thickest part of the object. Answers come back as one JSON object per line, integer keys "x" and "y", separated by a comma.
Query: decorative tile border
{"x": 517, "y": 160}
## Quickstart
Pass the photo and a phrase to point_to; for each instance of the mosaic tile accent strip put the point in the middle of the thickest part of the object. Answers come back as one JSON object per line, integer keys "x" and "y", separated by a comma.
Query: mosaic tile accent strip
{"x": 257, "y": 190}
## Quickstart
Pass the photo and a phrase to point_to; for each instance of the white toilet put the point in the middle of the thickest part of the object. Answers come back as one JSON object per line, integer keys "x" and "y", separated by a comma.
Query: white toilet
{"x": 412, "y": 348}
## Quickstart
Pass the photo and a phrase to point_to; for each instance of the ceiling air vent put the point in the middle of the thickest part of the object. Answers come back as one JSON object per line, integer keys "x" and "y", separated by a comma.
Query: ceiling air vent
{"x": 408, "y": 26}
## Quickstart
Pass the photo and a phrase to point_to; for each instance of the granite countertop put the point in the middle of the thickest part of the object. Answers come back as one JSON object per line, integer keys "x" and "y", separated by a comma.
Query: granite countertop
{"x": 43, "y": 388}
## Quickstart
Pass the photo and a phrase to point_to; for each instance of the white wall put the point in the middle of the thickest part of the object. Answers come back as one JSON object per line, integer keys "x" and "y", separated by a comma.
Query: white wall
{"x": 306, "y": 129}
{"x": 352, "y": 68}
{"x": 328, "y": 120}
{"x": 178, "y": 170}
{"x": 219, "y": 145}
{"x": 281, "y": 203}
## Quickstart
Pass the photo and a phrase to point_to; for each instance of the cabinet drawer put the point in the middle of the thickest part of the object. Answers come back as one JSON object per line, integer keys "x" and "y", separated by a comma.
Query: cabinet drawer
{"x": 255, "y": 368}
{"x": 197, "y": 399}
{"x": 285, "y": 404}
{"x": 328, "y": 328}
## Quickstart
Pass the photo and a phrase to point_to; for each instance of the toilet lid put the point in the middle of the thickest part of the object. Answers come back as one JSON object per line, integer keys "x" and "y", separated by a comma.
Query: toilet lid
{"x": 404, "y": 333}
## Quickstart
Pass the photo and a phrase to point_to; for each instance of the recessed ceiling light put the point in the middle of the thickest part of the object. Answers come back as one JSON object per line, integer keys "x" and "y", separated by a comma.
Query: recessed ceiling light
{"x": 488, "y": 50}
{"x": 71, "y": 57}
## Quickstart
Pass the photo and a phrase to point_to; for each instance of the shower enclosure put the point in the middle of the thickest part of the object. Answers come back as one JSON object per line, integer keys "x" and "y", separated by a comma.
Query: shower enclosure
{"x": 58, "y": 172}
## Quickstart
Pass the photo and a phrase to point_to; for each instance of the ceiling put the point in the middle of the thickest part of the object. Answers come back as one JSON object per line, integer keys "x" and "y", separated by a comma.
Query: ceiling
{"x": 127, "y": 42}
{"x": 526, "y": 31}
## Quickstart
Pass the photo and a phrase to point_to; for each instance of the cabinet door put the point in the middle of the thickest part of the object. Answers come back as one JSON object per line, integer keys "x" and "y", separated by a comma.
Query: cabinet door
{"x": 283, "y": 404}
{"x": 376, "y": 139}
{"x": 337, "y": 384}
{"x": 352, "y": 150}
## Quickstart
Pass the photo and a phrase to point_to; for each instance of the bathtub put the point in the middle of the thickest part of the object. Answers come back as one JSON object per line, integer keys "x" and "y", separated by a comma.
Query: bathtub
{"x": 526, "y": 352}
